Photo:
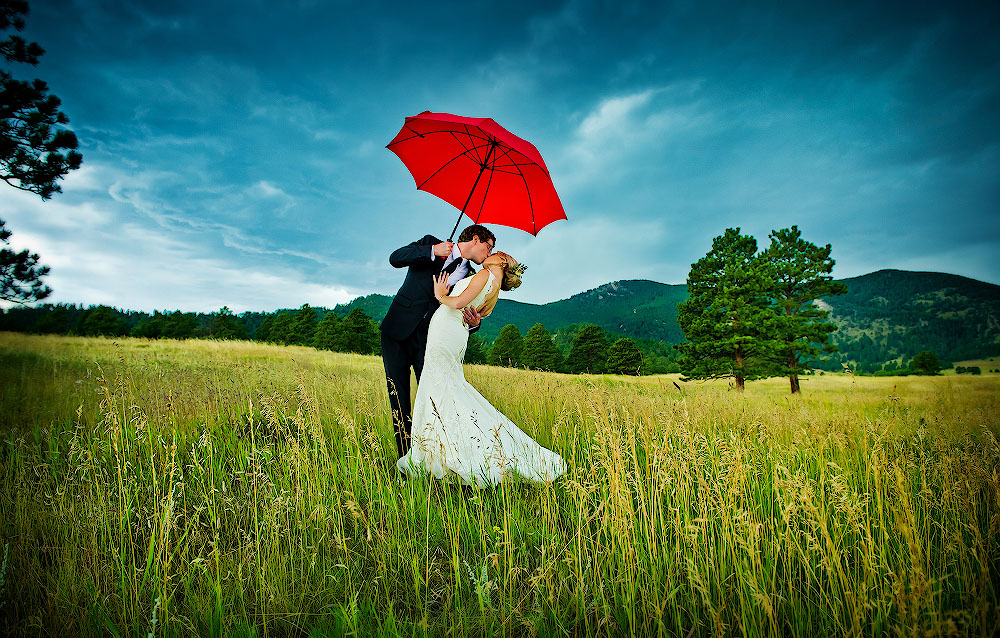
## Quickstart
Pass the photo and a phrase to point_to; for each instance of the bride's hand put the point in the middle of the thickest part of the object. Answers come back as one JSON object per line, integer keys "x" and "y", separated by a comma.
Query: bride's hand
{"x": 441, "y": 285}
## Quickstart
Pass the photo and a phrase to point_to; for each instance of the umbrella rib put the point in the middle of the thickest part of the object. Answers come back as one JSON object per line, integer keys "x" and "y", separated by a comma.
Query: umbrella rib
{"x": 527, "y": 190}
{"x": 513, "y": 164}
{"x": 531, "y": 205}
{"x": 485, "y": 193}
{"x": 429, "y": 133}
{"x": 528, "y": 162}
{"x": 479, "y": 160}
{"x": 468, "y": 149}
{"x": 504, "y": 171}
{"x": 441, "y": 168}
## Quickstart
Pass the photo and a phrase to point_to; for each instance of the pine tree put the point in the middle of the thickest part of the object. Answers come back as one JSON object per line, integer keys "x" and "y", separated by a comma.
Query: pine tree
{"x": 474, "y": 351}
{"x": 589, "y": 352}
{"x": 925, "y": 362}
{"x": 801, "y": 276}
{"x": 357, "y": 334}
{"x": 624, "y": 357}
{"x": 264, "y": 329}
{"x": 180, "y": 325}
{"x": 56, "y": 322}
{"x": 280, "y": 328}
{"x": 102, "y": 320}
{"x": 225, "y": 325}
{"x": 727, "y": 318}
{"x": 32, "y": 141}
{"x": 506, "y": 350}
{"x": 327, "y": 332}
{"x": 303, "y": 327}
{"x": 32, "y": 137}
{"x": 539, "y": 351}
{"x": 20, "y": 273}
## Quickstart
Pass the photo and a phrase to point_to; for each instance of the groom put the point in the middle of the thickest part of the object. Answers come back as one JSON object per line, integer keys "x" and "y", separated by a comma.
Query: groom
{"x": 404, "y": 329}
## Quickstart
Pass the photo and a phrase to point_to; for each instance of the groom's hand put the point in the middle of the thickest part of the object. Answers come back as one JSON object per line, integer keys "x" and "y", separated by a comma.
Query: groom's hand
{"x": 471, "y": 316}
{"x": 443, "y": 249}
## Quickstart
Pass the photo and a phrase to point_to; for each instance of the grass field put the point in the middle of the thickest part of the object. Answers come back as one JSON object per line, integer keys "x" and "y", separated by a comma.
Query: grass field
{"x": 177, "y": 488}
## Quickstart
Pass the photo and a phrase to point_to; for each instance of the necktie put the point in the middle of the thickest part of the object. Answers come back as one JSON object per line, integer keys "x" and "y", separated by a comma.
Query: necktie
{"x": 450, "y": 268}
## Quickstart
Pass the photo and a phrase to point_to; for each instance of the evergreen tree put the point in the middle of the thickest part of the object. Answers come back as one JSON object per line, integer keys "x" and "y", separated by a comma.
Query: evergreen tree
{"x": 303, "y": 327}
{"x": 474, "y": 351}
{"x": 589, "y": 352}
{"x": 264, "y": 329}
{"x": 375, "y": 338}
{"x": 146, "y": 328}
{"x": 180, "y": 325}
{"x": 506, "y": 350}
{"x": 801, "y": 276}
{"x": 727, "y": 318}
{"x": 280, "y": 328}
{"x": 358, "y": 334}
{"x": 925, "y": 362}
{"x": 32, "y": 137}
{"x": 540, "y": 352}
{"x": 624, "y": 357}
{"x": 56, "y": 322}
{"x": 102, "y": 320}
{"x": 225, "y": 325}
{"x": 31, "y": 143}
{"x": 326, "y": 332}
{"x": 20, "y": 273}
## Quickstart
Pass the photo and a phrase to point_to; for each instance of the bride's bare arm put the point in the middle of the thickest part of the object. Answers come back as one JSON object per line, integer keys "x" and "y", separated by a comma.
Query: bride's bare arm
{"x": 474, "y": 288}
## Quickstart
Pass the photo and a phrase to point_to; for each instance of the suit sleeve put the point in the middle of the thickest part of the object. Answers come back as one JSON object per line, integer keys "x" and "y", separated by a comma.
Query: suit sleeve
{"x": 418, "y": 252}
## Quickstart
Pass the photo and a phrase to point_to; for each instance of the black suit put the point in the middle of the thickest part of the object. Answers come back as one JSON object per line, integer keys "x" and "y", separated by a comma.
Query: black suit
{"x": 404, "y": 329}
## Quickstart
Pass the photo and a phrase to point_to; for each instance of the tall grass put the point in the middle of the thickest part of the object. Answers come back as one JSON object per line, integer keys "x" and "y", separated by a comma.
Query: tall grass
{"x": 170, "y": 488}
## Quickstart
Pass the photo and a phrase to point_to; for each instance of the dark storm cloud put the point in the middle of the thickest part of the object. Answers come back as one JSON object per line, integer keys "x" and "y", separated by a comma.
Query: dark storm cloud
{"x": 244, "y": 140}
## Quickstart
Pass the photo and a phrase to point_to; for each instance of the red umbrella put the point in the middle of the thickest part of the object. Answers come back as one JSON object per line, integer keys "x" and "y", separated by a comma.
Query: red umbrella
{"x": 480, "y": 167}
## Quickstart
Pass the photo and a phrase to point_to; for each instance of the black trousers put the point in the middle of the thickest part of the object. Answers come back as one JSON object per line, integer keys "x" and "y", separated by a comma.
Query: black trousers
{"x": 398, "y": 357}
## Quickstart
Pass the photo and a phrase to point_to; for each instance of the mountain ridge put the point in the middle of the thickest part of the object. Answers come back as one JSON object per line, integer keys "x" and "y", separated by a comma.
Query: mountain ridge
{"x": 886, "y": 315}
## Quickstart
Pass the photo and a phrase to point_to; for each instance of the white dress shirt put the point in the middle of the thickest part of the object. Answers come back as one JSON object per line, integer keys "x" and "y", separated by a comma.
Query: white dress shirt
{"x": 460, "y": 271}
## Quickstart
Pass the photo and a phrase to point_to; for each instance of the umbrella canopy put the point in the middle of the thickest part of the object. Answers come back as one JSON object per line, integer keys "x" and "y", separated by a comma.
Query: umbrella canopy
{"x": 479, "y": 167}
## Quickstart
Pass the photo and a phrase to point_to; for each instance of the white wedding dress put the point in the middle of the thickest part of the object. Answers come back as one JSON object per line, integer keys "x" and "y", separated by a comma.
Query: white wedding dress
{"x": 455, "y": 429}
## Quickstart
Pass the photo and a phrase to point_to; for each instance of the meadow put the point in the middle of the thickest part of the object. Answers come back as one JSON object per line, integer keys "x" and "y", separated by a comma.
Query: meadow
{"x": 233, "y": 488}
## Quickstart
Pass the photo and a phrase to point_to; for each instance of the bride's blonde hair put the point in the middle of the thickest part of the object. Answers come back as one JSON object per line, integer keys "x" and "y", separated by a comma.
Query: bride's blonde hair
{"x": 509, "y": 280}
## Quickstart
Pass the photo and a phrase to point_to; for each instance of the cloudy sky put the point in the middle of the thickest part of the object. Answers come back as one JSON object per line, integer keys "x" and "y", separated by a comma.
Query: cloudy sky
{"x": 234, "y": 151}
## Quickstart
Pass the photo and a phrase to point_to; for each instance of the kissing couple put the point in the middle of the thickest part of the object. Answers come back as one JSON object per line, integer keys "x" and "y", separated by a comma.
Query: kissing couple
{"x": 453, "y": 428}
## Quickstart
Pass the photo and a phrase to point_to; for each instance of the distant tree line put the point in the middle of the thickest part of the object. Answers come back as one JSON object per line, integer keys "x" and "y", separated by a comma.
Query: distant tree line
{"x": 586, "y": 348}
{"x": 307, "y": 326}
{"x": 578, "y": 348}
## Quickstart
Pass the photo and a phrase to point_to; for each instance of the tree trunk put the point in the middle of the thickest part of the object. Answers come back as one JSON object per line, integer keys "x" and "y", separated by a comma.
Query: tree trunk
{"x": 793, "y": 376}
{"x": 739, "y": 368}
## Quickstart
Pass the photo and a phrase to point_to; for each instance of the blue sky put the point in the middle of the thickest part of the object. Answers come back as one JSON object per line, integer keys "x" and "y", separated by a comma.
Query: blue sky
{"x": 234, "y": 151}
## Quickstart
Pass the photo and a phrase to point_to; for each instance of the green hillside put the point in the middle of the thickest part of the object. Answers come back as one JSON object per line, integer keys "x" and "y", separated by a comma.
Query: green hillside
{"x": 892, "y": 314}
{"x": 886, "y": 315}
{"x": 638, "y": 308}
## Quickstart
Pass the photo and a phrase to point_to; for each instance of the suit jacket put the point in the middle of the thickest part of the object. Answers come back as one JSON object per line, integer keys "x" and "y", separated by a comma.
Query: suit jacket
{"x": 414, "y": 302}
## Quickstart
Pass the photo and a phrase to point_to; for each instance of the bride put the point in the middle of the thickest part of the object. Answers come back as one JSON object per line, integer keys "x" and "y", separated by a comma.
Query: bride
{"x": 455, "y": 429}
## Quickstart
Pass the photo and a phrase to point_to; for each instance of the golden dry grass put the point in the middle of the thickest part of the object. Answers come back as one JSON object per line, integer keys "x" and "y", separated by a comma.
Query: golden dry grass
{"x": 243, "y": 489}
